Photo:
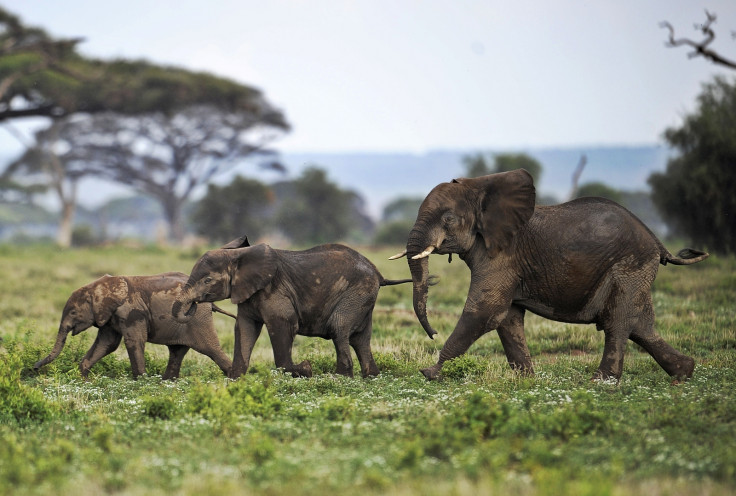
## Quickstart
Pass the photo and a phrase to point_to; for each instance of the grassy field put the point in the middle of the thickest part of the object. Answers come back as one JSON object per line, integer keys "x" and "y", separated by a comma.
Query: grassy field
{"x": 481, "y": 429}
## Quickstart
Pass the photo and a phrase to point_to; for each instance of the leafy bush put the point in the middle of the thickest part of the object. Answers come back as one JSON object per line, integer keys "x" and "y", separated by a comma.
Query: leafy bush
{"x": 17, "y": 400}
{"x": 159, "y": 407}
{"x": 462, "y": 367}
{"x": 249, "y": 395}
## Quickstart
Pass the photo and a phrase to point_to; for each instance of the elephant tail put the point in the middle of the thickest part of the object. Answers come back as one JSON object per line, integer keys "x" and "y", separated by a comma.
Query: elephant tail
{"x": 686, "y": 256}
{"x": 393, "y": 282}
{"x": 215, "y": 308}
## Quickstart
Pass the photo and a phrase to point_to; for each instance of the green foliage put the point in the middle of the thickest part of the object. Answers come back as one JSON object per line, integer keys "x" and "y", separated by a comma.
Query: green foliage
{"x": 250, "y": 395}
{"x": 462, "y": 367}
{"x": 159, "y": 407}
{"x": 234, "y": 209}
{"x": 318, "y": 210}
{"x": 479, "y": 164}
{"x": 18, "y": 401}
{"x": 393, "y": 233}
{"x": 695, "y": 193}
{"x": 402, "y": 209}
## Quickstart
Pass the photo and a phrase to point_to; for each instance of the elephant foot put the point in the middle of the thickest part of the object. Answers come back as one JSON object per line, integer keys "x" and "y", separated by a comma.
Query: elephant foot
{"x": 524, "y": 370}
{"x": 303, "y": 369}
{"x": 601, "y": 376}
{"x": 432, "y": 373}
{"x": 682, "y": 371}
{"x": 84, "y": 372}
{"x": 371, "y": 372}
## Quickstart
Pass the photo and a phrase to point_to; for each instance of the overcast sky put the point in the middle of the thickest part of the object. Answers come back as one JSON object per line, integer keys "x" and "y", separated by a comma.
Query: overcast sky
{"x": 405, "y": 75}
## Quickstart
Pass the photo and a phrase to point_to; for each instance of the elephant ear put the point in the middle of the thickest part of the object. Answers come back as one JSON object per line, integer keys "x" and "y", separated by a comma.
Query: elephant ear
{"x": 108, "y": 294}
{"x": 505, "y": 206}
{"x": 253, "y": 270}
{"x": 241, "y": 242}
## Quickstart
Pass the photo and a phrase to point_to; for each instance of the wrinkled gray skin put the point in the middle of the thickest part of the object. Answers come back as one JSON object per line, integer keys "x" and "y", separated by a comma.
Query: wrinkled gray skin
{"x": 586, "y": 261}
{"x": 138, "y": 310}
{"x": 328, "y": 291}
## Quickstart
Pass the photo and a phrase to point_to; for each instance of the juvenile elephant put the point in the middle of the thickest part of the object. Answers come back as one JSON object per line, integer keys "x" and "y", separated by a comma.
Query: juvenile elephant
{"x": 137, "y": 309}
{"x": 327, "y": 291}
{"x": 586, "y": 261}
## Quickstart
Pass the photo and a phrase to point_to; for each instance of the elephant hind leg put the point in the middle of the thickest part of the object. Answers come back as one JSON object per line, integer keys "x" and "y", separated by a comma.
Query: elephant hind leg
{"x": 176, "y": 355}
{"x": 511, "y": 333}
{"x": 612, "y": 363}
{"x": 361, "y": 343}
{"x": 344, "y": 359}
{"x": 676, "y": 364}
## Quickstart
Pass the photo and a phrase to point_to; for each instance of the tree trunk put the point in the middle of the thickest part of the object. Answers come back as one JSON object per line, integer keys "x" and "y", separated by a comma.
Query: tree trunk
{"x": 172, "y": 213}
{"x": 66, "y": 224}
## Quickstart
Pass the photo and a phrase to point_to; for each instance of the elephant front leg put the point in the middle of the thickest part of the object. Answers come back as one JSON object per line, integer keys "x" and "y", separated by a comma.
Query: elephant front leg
{"x": 247, "y": 332}
{"x": 176, "y": 356}
{"x": 469, "y": 328}
{"x": 106, "y": 342}
{"x": 511, "y": 333}
{"x": 135, "y": 343}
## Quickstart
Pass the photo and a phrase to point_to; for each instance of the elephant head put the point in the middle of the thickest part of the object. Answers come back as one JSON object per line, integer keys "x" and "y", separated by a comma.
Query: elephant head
{"x": 236, "y": 271}
{"x": 482, "y": 214}
{"x": 90, "y": 305}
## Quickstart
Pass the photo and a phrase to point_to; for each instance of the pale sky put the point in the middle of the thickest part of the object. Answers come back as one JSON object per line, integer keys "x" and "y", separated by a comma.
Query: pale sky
{"x": 406, "y": 75}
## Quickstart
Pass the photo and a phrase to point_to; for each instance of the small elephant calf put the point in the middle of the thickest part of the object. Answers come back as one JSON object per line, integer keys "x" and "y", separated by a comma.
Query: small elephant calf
{"x": 139, "y": 310}
{"x": 327, "y": 291}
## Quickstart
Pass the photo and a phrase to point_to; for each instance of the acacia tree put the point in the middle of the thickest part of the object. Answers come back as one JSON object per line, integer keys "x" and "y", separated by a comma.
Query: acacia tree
{"x": 41, "y": 76}
{"x": 168, "y": 156}
{"x": 29, "y": 60}
{"x": 695, "y": 193}
{"x": 41, "y": 168}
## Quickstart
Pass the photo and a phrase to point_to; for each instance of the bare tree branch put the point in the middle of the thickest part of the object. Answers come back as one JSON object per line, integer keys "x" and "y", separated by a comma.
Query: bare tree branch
{"x": 700, "y": 48}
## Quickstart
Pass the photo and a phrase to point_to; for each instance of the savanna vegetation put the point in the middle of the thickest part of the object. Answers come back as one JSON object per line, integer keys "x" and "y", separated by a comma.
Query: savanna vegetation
{"x": 481, "y": 429}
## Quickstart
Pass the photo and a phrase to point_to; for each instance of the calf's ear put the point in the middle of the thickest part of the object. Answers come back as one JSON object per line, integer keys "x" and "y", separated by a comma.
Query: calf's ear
{"x": 253, "y": 270}
{"x": 241, "y": 242}
{"x": 108, "y": 294}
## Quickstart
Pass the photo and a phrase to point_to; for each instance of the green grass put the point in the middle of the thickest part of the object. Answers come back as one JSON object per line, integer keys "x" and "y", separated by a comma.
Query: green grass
{"x": 482, "y": 429}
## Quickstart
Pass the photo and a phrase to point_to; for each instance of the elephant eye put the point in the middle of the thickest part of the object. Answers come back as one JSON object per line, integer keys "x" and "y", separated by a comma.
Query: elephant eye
{"x": 449, "y": 218}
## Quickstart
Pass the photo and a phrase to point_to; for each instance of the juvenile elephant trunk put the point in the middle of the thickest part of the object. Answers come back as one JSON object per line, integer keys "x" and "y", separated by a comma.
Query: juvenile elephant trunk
{"x": 58, "y": 346}
{"x": 184, "y": 306}
{"x": 420, "y": 277}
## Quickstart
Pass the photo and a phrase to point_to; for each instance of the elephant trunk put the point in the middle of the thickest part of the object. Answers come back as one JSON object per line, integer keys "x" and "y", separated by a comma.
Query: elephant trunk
{"x": 419, "y": 269}
{"x": 185, "y": 305}
{"x": 58, "y": 346}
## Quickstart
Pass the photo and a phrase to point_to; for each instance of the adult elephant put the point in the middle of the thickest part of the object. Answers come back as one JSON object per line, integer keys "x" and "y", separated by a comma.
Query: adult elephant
{"x": 586, "y": 261}
{"x": 138, "y": 310}
{"x": 328, "y": 291}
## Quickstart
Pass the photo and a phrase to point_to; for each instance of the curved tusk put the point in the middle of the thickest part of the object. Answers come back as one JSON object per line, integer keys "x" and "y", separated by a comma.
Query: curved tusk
{"x": 398, "y": 255}
{"x": 425, "y": 253}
